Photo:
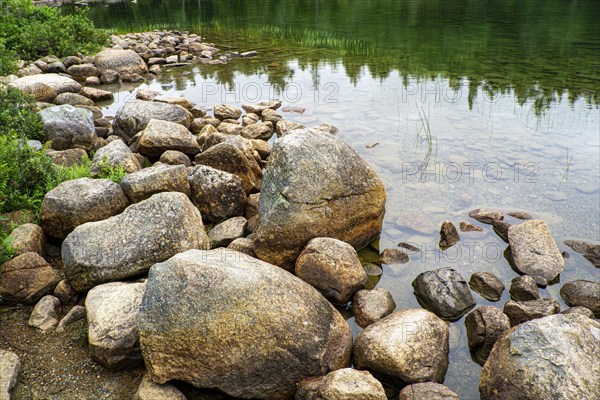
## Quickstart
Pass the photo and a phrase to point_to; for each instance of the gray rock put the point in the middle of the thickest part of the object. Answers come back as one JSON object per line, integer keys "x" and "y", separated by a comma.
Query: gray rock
{"x": 486, "y": 216}
{"x": 67, "y": 127}
{"x": 27, "y": 238}
{"x": 160, "y": 136}
{"x": 556, "y": 357}
{"x": 534, "y": 252}
{"x": 109, "y": 76}
{"x": 586, "y": 312}
{"x": 582, "y": 293}
{"x": 487, "y": 285}
{"x": 78, "y": 201}
{"x": 114, "y": 154}
{"x": 246, "y": 347}
{"x": 149, "y": 390}
{"x": 27, "y": 278}
{"x": 125, "y": 62}
{"x": 343, "y": 384}
{"x": 223, "y": 111}
{"x": 149, "y": 181}
{"x": 332, "y": 267}
{"x": 427, "y": 391}
{"x": 591, "y": 251}
{"x": 407, "y": 346}
{"x": 485, "y": 326}
{"x": 523, "y": 311}
{"x": 58, "y": 83}
{"x": 75, "y": 314}
{"x": 10, "y": 368}
{"x": 258, "y": 108}
{"x": 69, "y": 157}
{"x": 45, "y": 314}
{"x": 316, "y": 186}
{"x": 134, "y": 116}
{"x": 221, "y": 235}
{"x": 524, "y": 288}
{"x": 445, "y": 292}
{"x": 448, "y": 235}
{"x": 369, "y": 306}
{"x": 328, "y": 128}
{"x": 71, "y": 60}
{"x": 174, "y": 157}
{"x": 73, "y": 99}
{"x": 82, "y": 71}
{"x": 130, "y": 243}
{"x": 112, "y": 309}
{"x": 56, "y": 68}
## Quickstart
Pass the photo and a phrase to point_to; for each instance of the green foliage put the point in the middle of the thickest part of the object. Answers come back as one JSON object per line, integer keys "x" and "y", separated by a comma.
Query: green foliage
{"x": 8, "y": 58}
{"x": 6, "y": 251}
{"x": 35, "y": 31}
{"x": 17, "y": 116}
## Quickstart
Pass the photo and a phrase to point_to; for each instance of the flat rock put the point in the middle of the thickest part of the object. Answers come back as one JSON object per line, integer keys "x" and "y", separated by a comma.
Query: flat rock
{"x": 221, "y": 235}
{"x": 316, "y": 186}
{"x": 534, "y": 251}
{"x": 582, "y": 293}
{"x": 69, "y": 127}
{"x": 258, "y": 108}
{"x": 556, "y": 357}
{"x": 75, "y": 202}
{"x": 114, "y": 154}
{"x": 58, "y": 83}
{"x": 160, "y": 136}
{"x": 73, "y": 99}
{"x": 586, "y": 312}
{"x": 485, "y": 216}
{"x": 125, "y": 62}
{"x": 128, "y": 244}
{"x": 27, "y": 238}
{"x": 143, "y": 184}
{"x": 10, "y": 368}
{"x": 465, "y": 226}
{"x": 96, "y": 95}
{"x": 427, "y": 391}
{"x": 445, "y": 292}
{"x": 112, "y": 309}
{"x": 523, "y": 311}
{"x": 369, "y": 306}
{"x": 487, "y": 285}
{"x": 520, "y": 215}
{"x": 394, "y": 256}
{"x": 134, "y": 116}
{"x": 485, "y": 325}
{"x": 226, "y": 330}
{"x": 27, "y": 278}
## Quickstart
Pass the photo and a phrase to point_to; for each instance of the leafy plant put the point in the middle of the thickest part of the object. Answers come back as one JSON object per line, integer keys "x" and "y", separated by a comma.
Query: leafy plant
{"x": 113, "y": 172}
{"x": 6, "y": 251}
{"x": 18, "y": 118}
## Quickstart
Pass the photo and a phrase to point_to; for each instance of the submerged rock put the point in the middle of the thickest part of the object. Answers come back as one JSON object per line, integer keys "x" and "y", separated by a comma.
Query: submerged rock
{"x": 591, "y": 251}
{"x": 485, "y": 216}
{"x": 445, "y": 292}
{"x": 394, "y": 256}
{"x": 316, "y": 186}
{"x": 228, "y": 328}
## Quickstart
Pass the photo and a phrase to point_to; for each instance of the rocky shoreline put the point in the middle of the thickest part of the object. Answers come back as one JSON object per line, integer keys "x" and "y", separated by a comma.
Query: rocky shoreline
{"x": 224, "y": 256}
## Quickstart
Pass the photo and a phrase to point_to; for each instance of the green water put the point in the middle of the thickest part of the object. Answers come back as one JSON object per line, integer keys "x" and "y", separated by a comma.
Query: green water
{"x": 456, "y": 105}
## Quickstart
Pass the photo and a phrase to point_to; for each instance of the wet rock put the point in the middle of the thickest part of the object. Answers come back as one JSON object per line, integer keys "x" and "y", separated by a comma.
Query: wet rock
{"x": 68, "y": 158}
{"x": 523, "y": 311}
{"x": 130, "y": 243}
{"x": 582, "y": 293}
{"x": 174, "y": 157}
{"x": 218, "y": 195}
{"x": 534, "y": 252}
{"x": 485, "y": 216}
{"x": 275, "y": 349}
{"x": 427, "y": 391}
{"x": 227, "y": 231}
{"x": 27, "y": 278}
{"x": 407, "y": 346}
{"x": 556, "y": 357}
{"x": 160, "y": 136}
{"x": 591, "y": 251}
{"x": 448, "y": 235}
{"x": 73, "y": 99}
{"x": 258, "y": 108}
{"x": 223, "y": 111}
{"x": 485, "y": 326}
{"x": 65, "y": 292}
{"x": 243, "y": 245}
{"x": 445, "y": 292}
{"x": 114, "y": 154}
{"x": 78, "y": 201}
{"x": 520, "y": 215}
{"x": 34, "y": 83}
{"x": 229, "y": 158}
{"x": 10, "y": 368}
{"x": 27, "y": 238}
{"x": 343, "y": 384}
{"x": 487, "y": 285}
{"x": 122, "y": 61}
{"x": 143, "y": 184}
{"x": 112, "y": 309}
{"x": 586, "y": 312}
{"x": 309, "y": 193}
{"x": 67, "y": 127}
{"x": 134, "y": 116}
{"x": 501, "y": 229}
{"x": 524, "y": 288}
{"x": 282, "y": 127}
{"x": 332, "y": 267}
{"x": 394, "y": 256}
{"x": 465, "y": 226}
{"x": 96, "y": 95}
{"x": 45, "y": 313}
{"x": 369, "y": 306}
{"x": 75, "y": 314}
{"x": 149, "y": 390}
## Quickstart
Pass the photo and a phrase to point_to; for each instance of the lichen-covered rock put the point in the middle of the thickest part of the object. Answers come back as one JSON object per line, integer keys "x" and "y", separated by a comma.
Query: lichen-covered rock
{"x": 67, "y": 127}
{"x": 78, "y": 201}
{"x": 485, "y": 326}
{"x": 125, "y": 62}
{"x": 174, "y": 157}
{"x": 555, "y": 357}
{"x": 27, "y": 278}
{"x": 226, "y": 329}
{"x": 316, "y": 186}
{"x": 128, "y": 244}
{"x": 69, "y": 157}
{"x": 73, "y": 99}
{"x": 160, "y": 136}
{"x": 149, "y": 181}
{"x": 134, "y": 116}
{"x": 114, "y": 154}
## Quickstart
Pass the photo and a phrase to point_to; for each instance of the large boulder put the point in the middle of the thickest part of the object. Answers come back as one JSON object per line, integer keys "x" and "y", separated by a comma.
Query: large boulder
{"x": 114, "y": 154}
{"x": 219, "y": 195}
{"x": 161, "y": 178}
{"x": 316, "y": 186}
{"x": 407, "y": 346}
{"x": 534, "y": 251}
{"x": 41, "y": 85}
{"x": 130, "y": 243}
{"x": 218, "y": 319}
{"x": 135, "y": 115}
{"x": 582, "y": 293}
{"x": 78, "y": 201}
{"x": 556, "y": 357}
{"x": 69, "y": 127}
{"x": 27, "y": 278}
{"x": 160, "y": 136}
{"x": 112, "y": 309}
{"x": 125, "y": 62}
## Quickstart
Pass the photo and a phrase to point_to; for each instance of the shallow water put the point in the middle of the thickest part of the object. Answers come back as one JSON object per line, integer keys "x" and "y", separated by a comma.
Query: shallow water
{"x": 469, "y": 108}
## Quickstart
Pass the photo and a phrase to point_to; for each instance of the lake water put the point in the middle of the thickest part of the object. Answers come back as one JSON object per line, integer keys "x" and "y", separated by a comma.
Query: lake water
{"x": 456, "y": 104}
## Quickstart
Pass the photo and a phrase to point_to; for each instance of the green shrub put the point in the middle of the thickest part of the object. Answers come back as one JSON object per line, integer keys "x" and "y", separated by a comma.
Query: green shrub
{"x": 6, "y": 251}
{"x": 18, "y": 118}
{"x": 8, "y": 60}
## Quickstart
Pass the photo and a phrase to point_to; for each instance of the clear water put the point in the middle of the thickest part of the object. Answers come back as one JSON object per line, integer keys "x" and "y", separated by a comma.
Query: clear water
{"x": 471, "y": 104}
